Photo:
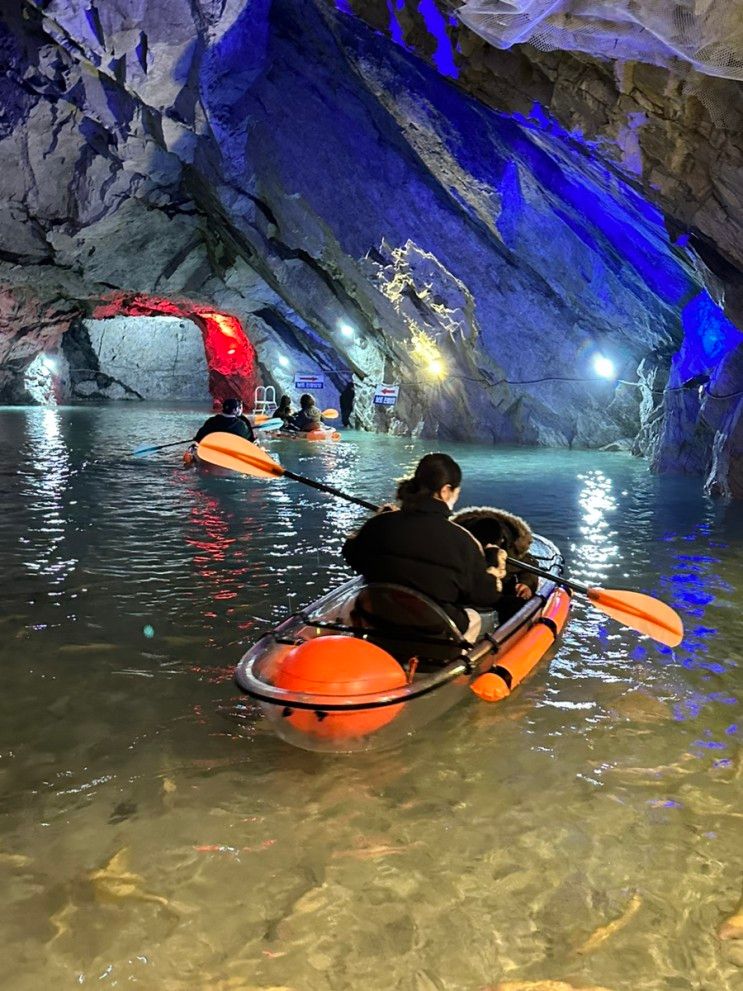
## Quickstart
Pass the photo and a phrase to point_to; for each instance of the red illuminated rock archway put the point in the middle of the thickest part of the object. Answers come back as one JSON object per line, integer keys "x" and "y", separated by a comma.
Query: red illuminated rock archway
{"x": 230, "y": 356}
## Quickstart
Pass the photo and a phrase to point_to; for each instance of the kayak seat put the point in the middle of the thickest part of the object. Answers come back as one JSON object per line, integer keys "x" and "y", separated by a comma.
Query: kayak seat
{"x": 407, "y": 624}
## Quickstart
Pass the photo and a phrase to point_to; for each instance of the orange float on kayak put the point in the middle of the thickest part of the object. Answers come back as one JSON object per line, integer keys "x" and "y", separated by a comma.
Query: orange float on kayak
{"x": 513, "y": 664}
{"x": 339, "y": 666}
{"x": 313, "y": 435}
{"x": 322, "y": 435}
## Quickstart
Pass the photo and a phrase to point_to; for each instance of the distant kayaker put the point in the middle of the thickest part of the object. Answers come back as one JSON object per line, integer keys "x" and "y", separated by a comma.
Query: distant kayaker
{"x": 283, "y": 411}
{"x": 421, "y": 548}
{"x": 230, "y": 420}
{"x": 309, "y": 416}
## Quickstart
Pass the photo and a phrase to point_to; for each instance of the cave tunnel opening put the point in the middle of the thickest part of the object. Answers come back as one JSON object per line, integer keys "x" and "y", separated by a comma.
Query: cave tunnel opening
{"x": 148, "y": 348}
{"x": 137, "y": 357}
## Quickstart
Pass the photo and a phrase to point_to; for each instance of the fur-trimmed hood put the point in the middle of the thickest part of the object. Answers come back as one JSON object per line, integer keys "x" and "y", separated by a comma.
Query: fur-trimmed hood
{"x": 516, "y": 531}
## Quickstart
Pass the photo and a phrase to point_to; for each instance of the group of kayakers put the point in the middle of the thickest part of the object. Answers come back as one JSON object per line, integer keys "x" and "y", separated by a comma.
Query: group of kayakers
{"x": 306, "y": 420}
{"x": 416, "y": 542}
{"x": 232, "y": 420}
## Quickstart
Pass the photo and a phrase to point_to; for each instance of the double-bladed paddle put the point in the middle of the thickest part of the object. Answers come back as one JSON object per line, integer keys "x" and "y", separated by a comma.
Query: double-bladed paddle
{"x": 274, "y": 424}
{"x": 229, "y": 451}
{"x": 636, "y": 610}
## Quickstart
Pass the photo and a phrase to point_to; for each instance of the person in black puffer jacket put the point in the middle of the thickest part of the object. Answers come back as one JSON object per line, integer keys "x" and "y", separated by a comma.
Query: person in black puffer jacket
{"x": 420, "y": 547}
{"x": 229, "y": 421}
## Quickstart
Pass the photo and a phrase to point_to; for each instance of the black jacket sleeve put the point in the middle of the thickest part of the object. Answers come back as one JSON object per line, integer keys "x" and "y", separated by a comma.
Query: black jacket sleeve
{"x": 248, "y": 433}
{"x": 352, "y": 549}
{"x": 204, "y": 429}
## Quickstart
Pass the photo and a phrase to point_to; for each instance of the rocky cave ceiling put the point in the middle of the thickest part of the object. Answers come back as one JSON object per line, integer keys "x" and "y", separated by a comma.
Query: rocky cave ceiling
{"x": 300, "y": 165}
{"x": 706, "y": 34}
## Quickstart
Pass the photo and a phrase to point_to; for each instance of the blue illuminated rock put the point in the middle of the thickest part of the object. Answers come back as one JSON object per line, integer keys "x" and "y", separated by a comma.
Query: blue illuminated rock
{"x": 289, "y": 165}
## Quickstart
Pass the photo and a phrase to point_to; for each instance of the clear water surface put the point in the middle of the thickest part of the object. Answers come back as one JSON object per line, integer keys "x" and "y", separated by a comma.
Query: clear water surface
{"x": 154, "y": 833}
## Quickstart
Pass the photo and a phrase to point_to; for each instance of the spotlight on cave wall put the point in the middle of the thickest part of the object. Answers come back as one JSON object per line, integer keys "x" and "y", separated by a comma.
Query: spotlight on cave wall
{"x": 347, "y": 330}
{"x": 604, "y": 367}
{"x": 41, "y": 379}
{"x": 283, "y": 361}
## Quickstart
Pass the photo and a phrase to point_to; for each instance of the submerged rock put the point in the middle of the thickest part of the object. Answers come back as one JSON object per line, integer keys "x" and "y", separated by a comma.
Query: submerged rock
{"x": 603, "y": 933}
{"x": 732, "y": 927}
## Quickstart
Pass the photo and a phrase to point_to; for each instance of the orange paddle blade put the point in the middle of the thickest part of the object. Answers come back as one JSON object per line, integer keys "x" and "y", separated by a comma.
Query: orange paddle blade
{"x": 641, "y": 612}
{"x": 329, "y": 414}
{"x": 238, "y": 454}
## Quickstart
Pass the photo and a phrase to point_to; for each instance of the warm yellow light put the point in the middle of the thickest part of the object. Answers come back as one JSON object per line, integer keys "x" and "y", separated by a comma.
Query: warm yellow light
{"x": 425, "y": 353}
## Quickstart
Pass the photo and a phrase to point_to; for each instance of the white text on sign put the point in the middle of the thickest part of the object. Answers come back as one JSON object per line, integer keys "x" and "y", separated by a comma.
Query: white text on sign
{"x": 309, "y": 382}
{"x": 386, "y": 395}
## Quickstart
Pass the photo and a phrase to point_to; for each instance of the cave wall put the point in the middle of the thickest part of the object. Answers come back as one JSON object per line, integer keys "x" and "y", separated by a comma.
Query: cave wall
{"x": 286, "y": 164}
{"x": 159, "y": 358}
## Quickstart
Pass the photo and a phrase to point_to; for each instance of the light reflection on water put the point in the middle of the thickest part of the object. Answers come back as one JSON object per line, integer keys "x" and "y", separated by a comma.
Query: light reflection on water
{"x": 154, "y": 833}
{"x": 597, "y": 549}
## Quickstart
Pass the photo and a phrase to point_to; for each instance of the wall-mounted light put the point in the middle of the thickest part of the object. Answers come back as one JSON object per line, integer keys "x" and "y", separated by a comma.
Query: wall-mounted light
{"x": 283, "y": 361}
{"x": 604, "y": 366}
{"x": 435, "y": 368}
{"x": 346, "y": 329}
{"x": 231, "y": 350}
{"x": 49, "y": 363}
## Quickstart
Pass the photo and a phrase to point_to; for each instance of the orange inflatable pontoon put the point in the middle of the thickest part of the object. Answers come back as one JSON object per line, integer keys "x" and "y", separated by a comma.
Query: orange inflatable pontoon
{"x": 313, "y": 435}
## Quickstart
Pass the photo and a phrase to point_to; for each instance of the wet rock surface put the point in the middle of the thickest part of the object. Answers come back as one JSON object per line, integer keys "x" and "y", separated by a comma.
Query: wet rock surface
{"x": 283, "y": 164}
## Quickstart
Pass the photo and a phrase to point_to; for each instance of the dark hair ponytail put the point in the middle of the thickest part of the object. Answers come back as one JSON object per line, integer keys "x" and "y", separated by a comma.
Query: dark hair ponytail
{"x": 434, "y": 471}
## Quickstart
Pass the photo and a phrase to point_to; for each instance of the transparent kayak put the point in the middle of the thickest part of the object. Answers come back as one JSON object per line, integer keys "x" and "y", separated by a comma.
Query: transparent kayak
{"x": 330, "y": 707}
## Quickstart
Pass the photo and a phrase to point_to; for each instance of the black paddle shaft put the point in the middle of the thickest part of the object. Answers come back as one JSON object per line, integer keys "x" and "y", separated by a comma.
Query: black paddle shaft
{"x": 161, "y": 447}
{"x": 523, "y": 566}
{"x": 330, "y": 489}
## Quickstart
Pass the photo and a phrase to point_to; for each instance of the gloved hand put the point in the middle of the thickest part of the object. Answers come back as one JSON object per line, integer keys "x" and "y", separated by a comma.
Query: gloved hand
{"x": 496, "y": 558}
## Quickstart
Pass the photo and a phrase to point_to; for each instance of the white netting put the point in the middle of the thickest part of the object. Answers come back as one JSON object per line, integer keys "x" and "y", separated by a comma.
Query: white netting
{"x": 706, "y": 33}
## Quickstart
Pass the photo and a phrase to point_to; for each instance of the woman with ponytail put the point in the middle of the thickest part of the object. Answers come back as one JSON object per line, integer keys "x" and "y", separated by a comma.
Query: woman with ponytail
{"x": 419, "y": 547}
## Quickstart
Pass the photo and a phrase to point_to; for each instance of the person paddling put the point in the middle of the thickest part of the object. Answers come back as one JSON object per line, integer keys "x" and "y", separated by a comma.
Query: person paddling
{"x": 421, "y": 548}
{"x": 283, "y": 411}
{"x": 513, "y": 535}
{"x": 230, "y": 421}
{"x": 309, "y": 416}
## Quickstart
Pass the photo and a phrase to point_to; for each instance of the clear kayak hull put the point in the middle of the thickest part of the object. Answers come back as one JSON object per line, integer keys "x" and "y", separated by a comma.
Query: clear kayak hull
{"x": 335, "y": 707}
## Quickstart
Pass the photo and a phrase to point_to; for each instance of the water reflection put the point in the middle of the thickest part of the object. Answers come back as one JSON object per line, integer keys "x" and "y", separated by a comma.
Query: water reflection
{"x": 125, "y": 798}
{"x": 598, "y": 550}
{"x": 45, "y": 480}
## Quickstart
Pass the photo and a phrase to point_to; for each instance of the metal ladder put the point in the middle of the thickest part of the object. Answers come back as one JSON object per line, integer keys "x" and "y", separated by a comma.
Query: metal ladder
{"x": 265, "y": 397}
